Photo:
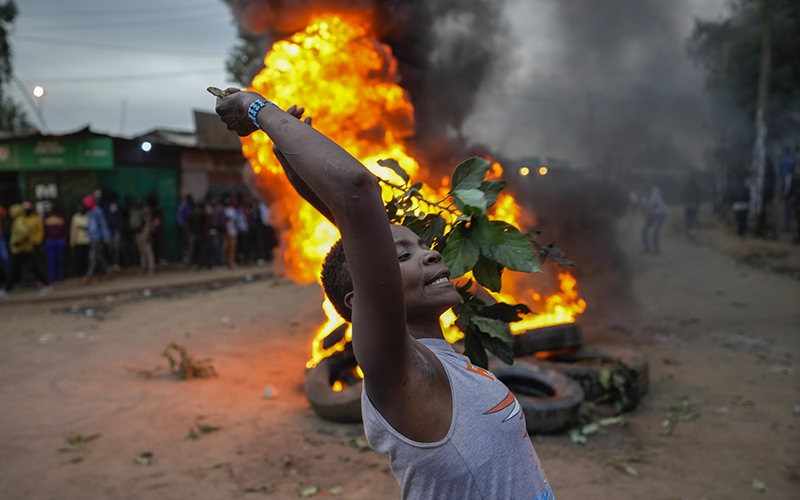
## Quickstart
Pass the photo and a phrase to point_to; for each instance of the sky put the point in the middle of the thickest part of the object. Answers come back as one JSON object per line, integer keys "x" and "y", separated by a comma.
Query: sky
{"x": 129, "y": 67}
{"x": 122, "y": 67}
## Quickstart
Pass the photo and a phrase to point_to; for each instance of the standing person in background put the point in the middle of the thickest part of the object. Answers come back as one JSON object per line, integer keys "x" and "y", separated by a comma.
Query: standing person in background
{"x": 79, "y": 239}
{"x": 156, "y": 217}
{"x": 244, "y": 228}
{"x": 184, "y": 212}
{"x": 268, "y": 239}
{"x": 99, "y": 234}
{"x": 216, "y": 233}
{"x": 231, "y": 232}
{"x": 195, "y": 226}
{"x": 655, "y": 212}
{"x": 786, "y": 165}
{"x": 692, "y": 198}
{"x": 55, "y": 239}
{"x": 5, "y": 232}
{"x": 140, "y": 222}
{"x": 115, "y": 220}
{"x": 35, "y": 223}
{"x": 21, "y": 247}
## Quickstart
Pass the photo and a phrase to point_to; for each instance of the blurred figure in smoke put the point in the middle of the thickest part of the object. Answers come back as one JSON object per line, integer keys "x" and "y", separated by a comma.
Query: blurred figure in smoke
{"x": 692, "y": 198}
{"x": 741, "y": 205}
{"x": 140, "y": 221}
{"x": 765, "y": 224}
{"x": 655, "y": 211}
{"x": 794, "y": 196}
{"x": 786, "y": 165}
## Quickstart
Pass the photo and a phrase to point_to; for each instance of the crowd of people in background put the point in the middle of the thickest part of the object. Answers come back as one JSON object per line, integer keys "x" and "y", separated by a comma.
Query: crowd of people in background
{"x": 220, "y": 231}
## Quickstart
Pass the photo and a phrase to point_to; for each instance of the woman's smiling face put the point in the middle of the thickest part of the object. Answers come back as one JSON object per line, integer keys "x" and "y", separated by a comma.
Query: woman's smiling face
{"x": 426, "y": 282}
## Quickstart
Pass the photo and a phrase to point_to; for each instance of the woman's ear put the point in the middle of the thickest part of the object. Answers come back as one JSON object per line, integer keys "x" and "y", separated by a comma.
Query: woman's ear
{"x": 348, "y": 300}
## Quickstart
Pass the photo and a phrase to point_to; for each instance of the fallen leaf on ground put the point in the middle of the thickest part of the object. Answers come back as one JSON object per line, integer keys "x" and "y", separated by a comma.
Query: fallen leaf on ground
{"x": 144, "y": 458}
{"x": 309, "y": 492}
{"x": 336, "y": 490}
{"x": 355, "y": 442}
{"x": 760, "y": 485}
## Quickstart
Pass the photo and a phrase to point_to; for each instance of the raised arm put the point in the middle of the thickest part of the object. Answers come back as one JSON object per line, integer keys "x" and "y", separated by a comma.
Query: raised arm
{"x": 343, "y": 185}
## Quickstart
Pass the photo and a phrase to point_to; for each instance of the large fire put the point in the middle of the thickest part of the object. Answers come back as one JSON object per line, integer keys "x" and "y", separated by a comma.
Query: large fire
{"x": 348, "y": 83}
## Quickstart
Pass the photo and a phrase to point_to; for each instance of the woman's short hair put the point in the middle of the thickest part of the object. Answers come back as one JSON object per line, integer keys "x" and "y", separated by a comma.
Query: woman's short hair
{"x": 336, "y": 280}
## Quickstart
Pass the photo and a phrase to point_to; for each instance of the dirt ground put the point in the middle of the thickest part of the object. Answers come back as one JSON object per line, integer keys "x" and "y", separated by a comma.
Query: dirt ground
{"x": 720, "y": 333}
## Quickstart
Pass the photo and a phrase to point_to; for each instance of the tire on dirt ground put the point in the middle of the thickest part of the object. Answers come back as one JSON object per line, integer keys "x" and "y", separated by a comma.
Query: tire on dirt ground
{"x": 342, "y": 406}
{"x": 548, "y": 338}
{"x": 585, "y": 364}
{"x": 550, "y": 400}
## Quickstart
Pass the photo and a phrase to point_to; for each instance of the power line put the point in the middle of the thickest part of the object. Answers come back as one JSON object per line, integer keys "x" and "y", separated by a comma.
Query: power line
{"x": 106, "y": 46}
{"x": 26, "y": 13}
{"x": 151, "y": 76}
{"x": 138, "y": 23}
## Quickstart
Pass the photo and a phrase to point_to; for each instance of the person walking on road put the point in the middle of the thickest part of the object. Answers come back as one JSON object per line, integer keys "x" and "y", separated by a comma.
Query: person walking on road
{"x": 21, "y": 247}
{"x": 654, "y": 215}
{"x": 99, "y": 234}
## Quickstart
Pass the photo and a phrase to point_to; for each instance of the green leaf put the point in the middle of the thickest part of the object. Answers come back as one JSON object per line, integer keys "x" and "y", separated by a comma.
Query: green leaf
{"x": 413, "y": 189}
{"x": 491, "y": 189}
{"x": 430, "y": 229}
{"x": 391, "y": 211}
{"x": 488, "y": 273}
{"x": 499, "y": 348}
{"x": 473, "y": 348}
{"x": 507, "y": 313}
{"x": 469, "y": 174}
{"x": 493, "y": 327}
{"x": 470, "y": 201}
{"x": 392, "y": 163}
{"x": 485, "y": 233}
{"x": 532, "y": 235}
{"x": 515, "y": 251}
{"x": 460, "y": 253}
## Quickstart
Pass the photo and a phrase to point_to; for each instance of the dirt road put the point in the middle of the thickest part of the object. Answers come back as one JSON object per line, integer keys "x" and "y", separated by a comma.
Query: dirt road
{"x": 723, "y": 340}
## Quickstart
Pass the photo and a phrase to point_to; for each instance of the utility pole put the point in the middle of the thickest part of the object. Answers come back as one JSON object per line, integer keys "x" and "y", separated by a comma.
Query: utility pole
{"x": 759, "y": 149}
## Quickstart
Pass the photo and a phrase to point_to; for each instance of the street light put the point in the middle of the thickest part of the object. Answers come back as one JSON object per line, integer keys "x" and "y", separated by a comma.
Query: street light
{"x": 38, "y": 91}
{"x": 524, "y": 171}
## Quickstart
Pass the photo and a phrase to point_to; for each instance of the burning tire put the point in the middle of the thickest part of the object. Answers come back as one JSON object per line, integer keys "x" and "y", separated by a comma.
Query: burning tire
{"x": 550, "y": 400}
{"x": 341, "y": 406}
{"x": 584, "y": 365}
{"x": 548, "y": 338}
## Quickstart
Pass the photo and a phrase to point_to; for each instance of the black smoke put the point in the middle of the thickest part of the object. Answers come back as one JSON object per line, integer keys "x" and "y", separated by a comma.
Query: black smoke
{"x": 445, "y": 50}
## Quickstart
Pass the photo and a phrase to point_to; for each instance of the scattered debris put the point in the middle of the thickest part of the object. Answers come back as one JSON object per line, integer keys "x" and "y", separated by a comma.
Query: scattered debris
{"x": 355, "y": 442}
{"x": 77, "y": 442}
{"x": 198, "y": 430}
{"x": 187, "y": 367}
{"x": 76, "y": 460}
{"x": 139, "y": 371}
{"x": 225, "y": 319}
{"x": 671, "y": 362}
{"x": 80, "y": 335}
{"x": 785, "y": 370}
{"x": 266, "y": 490}
{"x": 49, "y": 338}
{"x": 146, "y": 292}
{"x": 578, "y": 434}
{"x": 760, "y": 486}
{"x": 215, "y": 465}
{"x": 722, "y": 410}
{"x": 309, "y": 492}
{"x": 144, "y": 458}
{"x": 796, "y": 409}
{"x": 336, "y": 490}
{"x": 675, "y": 415}
{"x": 624, "y": 466}
{"x": 269, "y": 392}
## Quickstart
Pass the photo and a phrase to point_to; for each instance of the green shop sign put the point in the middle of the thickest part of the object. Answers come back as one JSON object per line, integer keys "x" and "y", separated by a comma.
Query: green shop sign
{"x": 95, "y": 153}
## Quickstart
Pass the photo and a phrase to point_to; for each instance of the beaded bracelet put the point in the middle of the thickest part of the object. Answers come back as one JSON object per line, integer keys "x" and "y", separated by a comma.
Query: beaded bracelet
{"x": 255, "y": 107}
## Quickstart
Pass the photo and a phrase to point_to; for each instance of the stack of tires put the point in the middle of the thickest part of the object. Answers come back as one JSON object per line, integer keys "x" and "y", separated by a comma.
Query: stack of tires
{"x": 552, "y": 375}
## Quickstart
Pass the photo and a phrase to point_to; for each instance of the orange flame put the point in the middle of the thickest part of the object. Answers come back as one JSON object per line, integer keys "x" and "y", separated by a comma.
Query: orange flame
{"x": 348, "y": 83}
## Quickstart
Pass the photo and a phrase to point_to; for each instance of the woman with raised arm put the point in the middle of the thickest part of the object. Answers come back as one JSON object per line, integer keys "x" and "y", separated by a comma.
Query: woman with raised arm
{"x": 452, "y": 430}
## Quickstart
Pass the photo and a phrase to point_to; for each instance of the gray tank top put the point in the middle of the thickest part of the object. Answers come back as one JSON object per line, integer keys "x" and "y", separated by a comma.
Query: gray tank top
{"x": 485, "y": 455}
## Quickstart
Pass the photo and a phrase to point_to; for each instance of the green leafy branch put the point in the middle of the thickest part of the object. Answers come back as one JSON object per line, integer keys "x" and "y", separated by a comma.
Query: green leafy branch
{"x": 471, "y": 242}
